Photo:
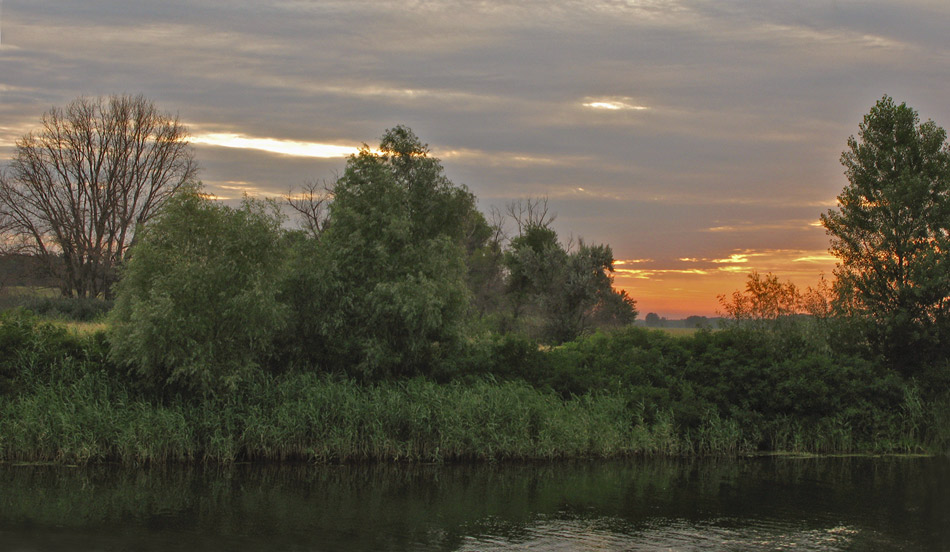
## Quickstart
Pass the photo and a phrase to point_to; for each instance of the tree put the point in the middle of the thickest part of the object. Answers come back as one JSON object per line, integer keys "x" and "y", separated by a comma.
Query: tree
{"x": 891, "y": 233}
{"x": 485, "y": 261}
{"x": 765, "y": 300}
{"x": 779, "y": 313}
{"x": 383, "y": 293}
{"x": 696, "y": 321}
{"x": 570, "y": 289}
{"x": 77, "y": 189}
{"x": 197, "y": 306}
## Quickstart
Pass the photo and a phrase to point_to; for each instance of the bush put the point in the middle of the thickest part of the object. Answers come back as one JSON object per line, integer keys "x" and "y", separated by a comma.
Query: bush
{"x": 197, "y": 304}
{"x": 30, "y": 348}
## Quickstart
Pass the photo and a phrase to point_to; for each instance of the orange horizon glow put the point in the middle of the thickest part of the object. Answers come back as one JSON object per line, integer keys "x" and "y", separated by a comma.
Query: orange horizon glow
{"x": 693, "y": 287}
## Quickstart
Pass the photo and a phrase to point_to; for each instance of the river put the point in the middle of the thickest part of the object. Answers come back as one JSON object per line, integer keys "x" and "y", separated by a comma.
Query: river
{"x": 759, "y": 503}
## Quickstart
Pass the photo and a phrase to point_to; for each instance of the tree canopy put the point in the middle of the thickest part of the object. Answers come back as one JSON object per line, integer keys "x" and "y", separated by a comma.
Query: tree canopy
{"x": 389, "y": 293}
{"x": 197, "y": 306}
{"x": 569, "y": 287}
{"x": 891, "y": 231}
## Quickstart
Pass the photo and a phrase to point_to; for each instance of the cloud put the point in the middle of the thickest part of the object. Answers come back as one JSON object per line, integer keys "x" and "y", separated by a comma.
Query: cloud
{"x": 751, "y": 226}
{"x": 610, "y": 104}
{"x": 622, "y": 262}
{"x": 273, "y": 145}
{"x": 735, "y": 258}
{"x": 748, "y": 105}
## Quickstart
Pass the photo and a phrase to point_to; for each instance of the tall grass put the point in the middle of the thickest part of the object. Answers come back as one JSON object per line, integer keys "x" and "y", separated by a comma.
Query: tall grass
{"x": 321, "y": 419}
{"x": 61, "y": 401}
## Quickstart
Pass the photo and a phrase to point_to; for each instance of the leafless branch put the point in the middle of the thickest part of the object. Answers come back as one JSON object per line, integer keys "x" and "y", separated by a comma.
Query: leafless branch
{"x": 531, "y": 211}
{"x": 78, "y": 187}
{"x": 311, "y": 204}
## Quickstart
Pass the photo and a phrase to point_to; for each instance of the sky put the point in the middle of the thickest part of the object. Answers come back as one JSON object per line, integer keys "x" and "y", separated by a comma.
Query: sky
{"x": 700, "y": 139}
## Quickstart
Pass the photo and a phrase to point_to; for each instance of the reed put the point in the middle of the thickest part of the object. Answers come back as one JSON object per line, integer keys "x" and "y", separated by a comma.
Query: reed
{"x": 61, "y": 401}
{"x": 321, "y": 419}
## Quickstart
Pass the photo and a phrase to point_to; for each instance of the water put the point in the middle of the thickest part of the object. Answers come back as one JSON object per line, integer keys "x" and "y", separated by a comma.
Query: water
{"x": 737, "y": 505}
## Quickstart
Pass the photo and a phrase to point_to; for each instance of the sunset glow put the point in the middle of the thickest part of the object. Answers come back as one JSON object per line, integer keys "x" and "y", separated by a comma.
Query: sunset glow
{"x": 699, "y": 140}
{"x": 692, "y": 286}
{"x": 272, "y": 145}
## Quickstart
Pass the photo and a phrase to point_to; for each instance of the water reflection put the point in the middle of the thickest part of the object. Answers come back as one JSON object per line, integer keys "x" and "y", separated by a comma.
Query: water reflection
{"x": 748, "y": 504}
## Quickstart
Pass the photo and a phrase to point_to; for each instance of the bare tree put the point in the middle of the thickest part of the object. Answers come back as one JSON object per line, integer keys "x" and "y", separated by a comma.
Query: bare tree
{"x": 531, "y": 211}
{"x": 77, "y": 188}
{"x": 312, "y": 204}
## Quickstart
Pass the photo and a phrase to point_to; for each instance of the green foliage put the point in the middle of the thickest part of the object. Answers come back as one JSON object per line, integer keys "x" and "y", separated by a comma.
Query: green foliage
{"x": 197, "y": 304}
{"x": 89, "y": 417}
{"x": 384, "y": 293}
{"x": 631, "y": 392}
{"x": 227, "y": 318}
{"x": 31, "y": 348}
{"x": 891, "y": 234}
{"x": 570, "y": 289}
{"x": 79, "y": 309}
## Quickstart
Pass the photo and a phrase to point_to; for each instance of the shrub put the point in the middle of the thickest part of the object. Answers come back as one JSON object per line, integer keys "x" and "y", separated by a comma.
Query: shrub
{"x": 31, "y": 349}
{"x": 197, "y": 303}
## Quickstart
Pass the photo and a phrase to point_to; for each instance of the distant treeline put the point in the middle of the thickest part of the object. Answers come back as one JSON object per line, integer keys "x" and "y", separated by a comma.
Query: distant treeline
{"x": 653, "y": 320}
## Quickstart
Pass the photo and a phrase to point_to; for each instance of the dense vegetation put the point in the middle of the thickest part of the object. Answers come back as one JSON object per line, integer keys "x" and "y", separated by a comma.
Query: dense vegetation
{"x": 631, "y": 392}
{"x": 399, "y": 324}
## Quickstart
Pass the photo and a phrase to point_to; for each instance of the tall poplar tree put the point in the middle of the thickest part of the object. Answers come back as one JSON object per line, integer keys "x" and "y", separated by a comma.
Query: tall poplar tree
{"x": 891, "y": 233}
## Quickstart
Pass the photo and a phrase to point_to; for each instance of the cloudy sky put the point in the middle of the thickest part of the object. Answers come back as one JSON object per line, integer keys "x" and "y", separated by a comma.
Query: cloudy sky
{"x": 700, "y": 139}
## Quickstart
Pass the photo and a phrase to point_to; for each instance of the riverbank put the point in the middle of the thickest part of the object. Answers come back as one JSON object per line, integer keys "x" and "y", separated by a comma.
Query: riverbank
{"x": 628, "y": 394}
{"x": 323, "y": 420}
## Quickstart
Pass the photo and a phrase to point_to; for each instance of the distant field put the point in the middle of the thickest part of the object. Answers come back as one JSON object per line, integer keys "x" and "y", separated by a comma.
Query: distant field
{"x": 29, "y": 291}
{"x": 81, "y": 315}
{"x": 81, "y": 328}
{"x": 679, "y": 332}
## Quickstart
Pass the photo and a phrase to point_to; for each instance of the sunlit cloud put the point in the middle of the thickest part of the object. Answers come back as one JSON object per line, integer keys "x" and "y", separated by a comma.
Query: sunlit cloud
{"x": 820, "y": 258}
{"x": 758, "y": 227}
{"x": 669, "y": 287}
{"x": 621, "y": 262}
{"x": 620, "y": 104}
{"x": 274, "y": 145}
{"x": 842, "y": 37}
{"x": 650, "y": 274}
{"x": 236, "y": 189}
{"x": 10, "y": 134}
{"x": 507, "y": 158}
{"x": 735, "y": 258}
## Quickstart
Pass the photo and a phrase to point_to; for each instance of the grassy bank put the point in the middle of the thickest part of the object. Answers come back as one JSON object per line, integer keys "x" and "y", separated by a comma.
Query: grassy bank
{"x": 320, "y": 419}
{"x": 632, "y": 393}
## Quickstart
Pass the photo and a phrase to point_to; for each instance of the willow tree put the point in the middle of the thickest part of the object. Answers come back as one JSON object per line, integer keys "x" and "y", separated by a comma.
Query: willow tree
{"x": 77, "y": 188}
{"x": 383, "y": 291}
{"x": 891, "y": 233}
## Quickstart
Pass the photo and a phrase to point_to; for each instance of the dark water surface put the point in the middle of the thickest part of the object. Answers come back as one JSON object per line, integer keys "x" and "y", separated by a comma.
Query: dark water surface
{"x": 712, "y": 504}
